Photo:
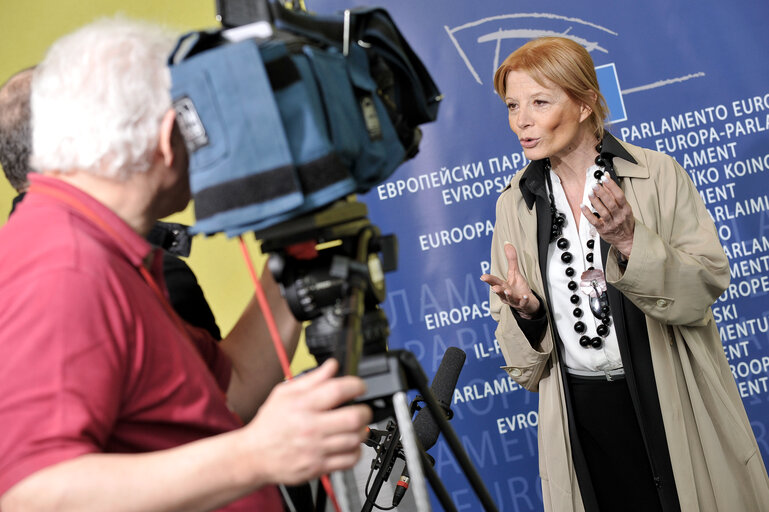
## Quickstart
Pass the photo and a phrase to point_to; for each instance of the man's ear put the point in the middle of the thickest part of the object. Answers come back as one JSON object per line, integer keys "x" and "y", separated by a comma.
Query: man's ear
{"x": 165, "y": 142}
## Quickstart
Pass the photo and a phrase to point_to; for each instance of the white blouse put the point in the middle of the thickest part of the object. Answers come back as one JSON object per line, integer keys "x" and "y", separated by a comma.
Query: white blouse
{"x": 606, "y": 357}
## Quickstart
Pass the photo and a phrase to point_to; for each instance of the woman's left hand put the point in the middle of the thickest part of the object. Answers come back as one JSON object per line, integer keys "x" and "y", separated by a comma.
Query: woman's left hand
{"x": 614, "y": 222}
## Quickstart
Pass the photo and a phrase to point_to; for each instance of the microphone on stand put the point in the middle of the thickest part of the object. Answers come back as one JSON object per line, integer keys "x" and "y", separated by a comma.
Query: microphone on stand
{"x": 425, "y": 426}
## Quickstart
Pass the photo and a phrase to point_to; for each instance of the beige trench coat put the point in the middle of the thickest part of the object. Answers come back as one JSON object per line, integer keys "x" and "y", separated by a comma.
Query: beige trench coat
{"x": 676, "y": 272}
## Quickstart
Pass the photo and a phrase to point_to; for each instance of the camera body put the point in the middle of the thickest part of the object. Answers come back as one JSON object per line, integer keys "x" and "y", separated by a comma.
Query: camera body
{"x": 284, "y": 116}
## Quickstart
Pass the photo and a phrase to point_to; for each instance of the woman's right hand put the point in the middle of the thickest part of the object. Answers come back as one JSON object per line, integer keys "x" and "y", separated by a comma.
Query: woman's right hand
{"x": 515, "y": 292}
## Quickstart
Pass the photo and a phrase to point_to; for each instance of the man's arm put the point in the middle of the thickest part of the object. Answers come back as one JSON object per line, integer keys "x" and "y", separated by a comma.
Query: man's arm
{"x": 255, "y": 365}
{"x": 298, "y": 434}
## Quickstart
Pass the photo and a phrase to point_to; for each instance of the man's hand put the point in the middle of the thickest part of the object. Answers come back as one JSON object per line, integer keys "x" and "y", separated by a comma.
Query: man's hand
{"x": 298, "y": 434}
{"x": 301, "y": 432}
{"x": 515, "y": 291}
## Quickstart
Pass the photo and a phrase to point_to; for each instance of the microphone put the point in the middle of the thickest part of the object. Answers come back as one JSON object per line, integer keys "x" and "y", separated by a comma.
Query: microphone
{"x": 425, "y": 425}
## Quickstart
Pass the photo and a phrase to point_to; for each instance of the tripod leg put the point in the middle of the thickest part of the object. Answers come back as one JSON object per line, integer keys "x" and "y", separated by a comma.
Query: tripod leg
{"x": 411, "y": 450}
{"x": 346, "y": 490}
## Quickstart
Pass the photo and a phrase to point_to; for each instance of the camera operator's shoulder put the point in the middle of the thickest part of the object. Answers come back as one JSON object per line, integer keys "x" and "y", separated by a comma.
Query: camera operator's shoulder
{"x": 39, "y": 238}
{"x": 31, "y": 236}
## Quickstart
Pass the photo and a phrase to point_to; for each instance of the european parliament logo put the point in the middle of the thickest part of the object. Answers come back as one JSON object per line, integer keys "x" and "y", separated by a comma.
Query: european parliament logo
{"x": 483, "y": 44}
{"x": 609, "y": 85}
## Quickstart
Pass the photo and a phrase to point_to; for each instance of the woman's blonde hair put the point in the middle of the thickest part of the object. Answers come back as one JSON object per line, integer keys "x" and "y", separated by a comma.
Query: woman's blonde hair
{"x": 564, "y": 63}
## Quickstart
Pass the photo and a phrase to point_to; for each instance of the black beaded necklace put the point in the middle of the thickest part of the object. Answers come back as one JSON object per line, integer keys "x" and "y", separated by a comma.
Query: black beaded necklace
{"x": 592, "y": 281}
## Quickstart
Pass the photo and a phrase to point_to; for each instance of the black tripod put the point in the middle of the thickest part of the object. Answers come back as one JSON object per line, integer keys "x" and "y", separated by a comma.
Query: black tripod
{"x": 338, "y": 284}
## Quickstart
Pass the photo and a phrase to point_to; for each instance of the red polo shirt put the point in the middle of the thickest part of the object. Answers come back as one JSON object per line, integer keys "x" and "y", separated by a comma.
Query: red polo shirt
{"x": 90, "y": 361}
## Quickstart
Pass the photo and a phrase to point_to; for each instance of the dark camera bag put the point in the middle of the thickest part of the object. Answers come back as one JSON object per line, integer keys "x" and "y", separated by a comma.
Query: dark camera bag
{"x": 283, "y": 125}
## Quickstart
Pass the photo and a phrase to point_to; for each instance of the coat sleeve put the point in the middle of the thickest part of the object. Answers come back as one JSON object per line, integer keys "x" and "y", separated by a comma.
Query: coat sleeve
{"x": 526, "y": 362}
{"x": 677, "y": 270}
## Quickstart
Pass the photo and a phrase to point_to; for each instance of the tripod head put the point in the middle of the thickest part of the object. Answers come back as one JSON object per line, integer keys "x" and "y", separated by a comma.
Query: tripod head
{"x": 331, "y": 266}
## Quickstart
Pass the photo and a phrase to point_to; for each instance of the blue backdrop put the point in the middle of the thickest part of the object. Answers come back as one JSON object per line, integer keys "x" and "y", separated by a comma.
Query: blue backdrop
{"x": 685, "y": 77}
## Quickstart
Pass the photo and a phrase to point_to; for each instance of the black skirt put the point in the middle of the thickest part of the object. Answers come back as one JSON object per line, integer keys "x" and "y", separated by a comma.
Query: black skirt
{"x": 612, "y": 445}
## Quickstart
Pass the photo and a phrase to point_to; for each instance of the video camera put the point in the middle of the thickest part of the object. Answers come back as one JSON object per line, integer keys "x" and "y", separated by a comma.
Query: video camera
{"x": 285, "y": 115}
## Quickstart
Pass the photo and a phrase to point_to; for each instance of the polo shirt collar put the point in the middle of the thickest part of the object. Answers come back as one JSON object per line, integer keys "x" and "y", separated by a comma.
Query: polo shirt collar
{"x": 130, "y": 243}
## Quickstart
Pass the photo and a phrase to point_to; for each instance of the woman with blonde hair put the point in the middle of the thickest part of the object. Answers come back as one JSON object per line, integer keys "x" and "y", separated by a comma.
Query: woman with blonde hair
{"x": 604, "y": 267}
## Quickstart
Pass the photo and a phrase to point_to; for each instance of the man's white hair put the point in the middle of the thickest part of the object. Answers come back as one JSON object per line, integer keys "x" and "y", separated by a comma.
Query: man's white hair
{"x": 98, "y": 99}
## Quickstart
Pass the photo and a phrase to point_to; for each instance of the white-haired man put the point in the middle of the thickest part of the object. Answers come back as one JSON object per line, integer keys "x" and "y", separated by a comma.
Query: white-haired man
{"x": 109, "y": 401}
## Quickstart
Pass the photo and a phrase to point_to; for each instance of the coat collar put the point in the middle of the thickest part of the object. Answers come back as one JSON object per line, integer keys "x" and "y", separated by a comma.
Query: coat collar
{"x": 532, "y": 183}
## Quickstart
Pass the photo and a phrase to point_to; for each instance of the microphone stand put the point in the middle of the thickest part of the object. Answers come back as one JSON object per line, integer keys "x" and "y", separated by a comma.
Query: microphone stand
{"x": 385, "y": 462}
{"x": 393, "y": 372}
{"x": 438, "y": 488}
{"x": 412, "y": 365}
{"x": 388, "y": 452}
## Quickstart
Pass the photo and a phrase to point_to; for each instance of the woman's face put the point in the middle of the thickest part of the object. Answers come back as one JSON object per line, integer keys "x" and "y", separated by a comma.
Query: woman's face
{"x": 547, "y": 122}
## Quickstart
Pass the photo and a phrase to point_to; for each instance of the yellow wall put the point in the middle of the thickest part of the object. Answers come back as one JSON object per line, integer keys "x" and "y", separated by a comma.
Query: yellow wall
{"x": 27, "y": 29}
